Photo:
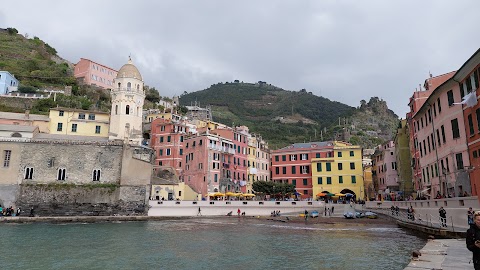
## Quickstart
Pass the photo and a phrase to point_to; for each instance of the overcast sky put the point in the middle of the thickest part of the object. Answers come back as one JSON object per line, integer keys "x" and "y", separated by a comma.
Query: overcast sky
{"x": 342, "y": 50}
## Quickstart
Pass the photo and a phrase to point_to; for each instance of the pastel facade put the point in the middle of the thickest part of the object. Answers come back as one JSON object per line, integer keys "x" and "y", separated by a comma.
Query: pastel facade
{"x": 209, "y": 164}
{"x": 92, "y": 73}
{"x": 128, "y": 97}
{"x": 26, "y": 119}
{"x": 258, "y": 161}
{"x": 339, "y": 171}
{"x": 385, "y": 171}
{"x": 8, "y": 83}
{"x": 468, "y": 79}
{"x": 441, "y": 142}
{"x": 404, "y": 160}
{"x": 167, "y": 139}
{"x": 69, "y": 121}
{"x": 179, "y": 191}
{"x": 293, "y": 164}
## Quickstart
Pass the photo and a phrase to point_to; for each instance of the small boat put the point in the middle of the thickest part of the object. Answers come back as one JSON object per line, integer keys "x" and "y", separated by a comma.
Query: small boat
{"x": 348, "y": 215}
{"x": 314, "y": 214}
{"x": 359, "y": 215}
{"x": 371, "y": 215}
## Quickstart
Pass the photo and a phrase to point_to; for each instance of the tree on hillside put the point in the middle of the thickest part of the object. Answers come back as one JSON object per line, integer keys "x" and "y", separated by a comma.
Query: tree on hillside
{"x": 152, "y": 95}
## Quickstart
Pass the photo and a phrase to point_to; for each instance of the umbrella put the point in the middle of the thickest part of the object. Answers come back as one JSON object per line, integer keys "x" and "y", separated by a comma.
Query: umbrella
{"x": 248, "y": 195}
{"x": 339, "y": 194}
{"x": 231, "y": 194}
{"x": 348, "y": 194}
{"x": 321, "y": 194}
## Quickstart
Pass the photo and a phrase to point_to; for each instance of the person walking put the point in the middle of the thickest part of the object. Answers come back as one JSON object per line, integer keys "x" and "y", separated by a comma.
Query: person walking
{"x": 443, "y": 216}
{"x": 199, "y": 211}
{"x": 470, "y": 214}
{"x": 238, "y": 212}
{"x": 333, "y": 208}
{"x": 473, "y": 240}
{"x": 306, "y": 214}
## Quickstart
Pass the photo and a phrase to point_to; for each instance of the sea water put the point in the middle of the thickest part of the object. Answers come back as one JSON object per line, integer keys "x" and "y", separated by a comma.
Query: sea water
{"x": 206, "y": 243}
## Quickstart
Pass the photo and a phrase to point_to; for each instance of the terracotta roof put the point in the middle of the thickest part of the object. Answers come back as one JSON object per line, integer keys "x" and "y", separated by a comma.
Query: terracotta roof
{"x": 21, "y": 116}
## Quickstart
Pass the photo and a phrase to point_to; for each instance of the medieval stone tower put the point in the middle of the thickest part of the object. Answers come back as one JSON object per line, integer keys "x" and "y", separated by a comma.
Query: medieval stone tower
{"x": 127, "y": 105}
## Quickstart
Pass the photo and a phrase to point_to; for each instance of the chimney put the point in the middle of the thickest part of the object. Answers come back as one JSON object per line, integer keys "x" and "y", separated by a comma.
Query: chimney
{"x": 27, "y": 114}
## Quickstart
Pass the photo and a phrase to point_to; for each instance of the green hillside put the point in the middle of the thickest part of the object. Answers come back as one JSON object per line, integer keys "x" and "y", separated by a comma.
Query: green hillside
{"x": 281, "y": 117}
{"x": 32, "y": 61}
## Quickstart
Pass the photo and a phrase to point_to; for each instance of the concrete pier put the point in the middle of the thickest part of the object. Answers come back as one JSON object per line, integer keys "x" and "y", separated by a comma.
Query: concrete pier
{"x": 446, "y": 254}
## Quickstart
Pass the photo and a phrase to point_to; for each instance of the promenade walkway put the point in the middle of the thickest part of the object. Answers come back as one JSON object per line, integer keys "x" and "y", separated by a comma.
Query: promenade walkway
{"x": 446, "y": 254}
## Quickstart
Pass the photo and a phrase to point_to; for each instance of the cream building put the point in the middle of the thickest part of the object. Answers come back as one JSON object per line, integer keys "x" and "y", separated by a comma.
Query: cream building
{"x": 67, "y": 121}
{"x": 127, "y": 105}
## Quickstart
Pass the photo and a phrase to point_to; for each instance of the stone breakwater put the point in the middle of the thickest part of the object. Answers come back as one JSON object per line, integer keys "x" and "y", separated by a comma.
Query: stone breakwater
{"x": 446, "y": 254}
{"x": 79, "y": 219}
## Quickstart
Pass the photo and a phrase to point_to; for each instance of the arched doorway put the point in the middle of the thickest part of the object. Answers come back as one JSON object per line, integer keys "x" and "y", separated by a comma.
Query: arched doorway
{"x": 349, "y": 194}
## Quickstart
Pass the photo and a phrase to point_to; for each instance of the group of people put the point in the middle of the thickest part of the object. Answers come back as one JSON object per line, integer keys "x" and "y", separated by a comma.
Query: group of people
{"x": 329, "y": 211}
{"x": 9, "y": 211}
{"x": 275, "y": 213}
{"x": 473, "y": 236}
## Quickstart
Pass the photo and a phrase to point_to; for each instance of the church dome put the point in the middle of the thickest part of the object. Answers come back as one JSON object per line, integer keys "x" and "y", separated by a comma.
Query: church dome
{"x": 129, "y": 70}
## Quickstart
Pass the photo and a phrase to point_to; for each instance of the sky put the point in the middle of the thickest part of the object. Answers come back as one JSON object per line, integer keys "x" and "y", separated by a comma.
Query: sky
{"x": 343, "y": 50}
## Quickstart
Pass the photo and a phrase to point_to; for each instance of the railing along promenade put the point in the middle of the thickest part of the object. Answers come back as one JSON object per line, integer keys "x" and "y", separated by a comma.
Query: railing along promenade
{"x": 222, "y": 208}
{"x": 426, "y": 212}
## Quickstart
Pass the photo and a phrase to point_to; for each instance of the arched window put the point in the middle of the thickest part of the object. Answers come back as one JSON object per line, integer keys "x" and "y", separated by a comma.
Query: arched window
{"x": 138, "y": 86}
{"x": 17, "y": 135}
{"x": 119, "y": 84}
{"x": 127, "y": 109}
{"x": 61, "y": 174}
{"x": 129, "y": 86}
{"x": 116, "y": 109}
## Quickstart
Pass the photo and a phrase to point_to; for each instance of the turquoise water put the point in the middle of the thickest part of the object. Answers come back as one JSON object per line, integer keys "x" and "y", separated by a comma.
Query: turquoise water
{"x": 203, "y": 243}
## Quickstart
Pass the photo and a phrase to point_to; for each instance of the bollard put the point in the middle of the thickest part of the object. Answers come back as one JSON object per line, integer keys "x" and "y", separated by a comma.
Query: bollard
{"x": 451, "y": 219}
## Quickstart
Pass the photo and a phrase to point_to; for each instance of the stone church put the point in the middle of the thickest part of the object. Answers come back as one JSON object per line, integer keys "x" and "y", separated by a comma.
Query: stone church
{"x": 78, "y": 175}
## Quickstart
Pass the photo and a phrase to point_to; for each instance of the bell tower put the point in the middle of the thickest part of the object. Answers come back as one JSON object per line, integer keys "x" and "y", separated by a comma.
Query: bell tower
{"x": 127, "y": 105}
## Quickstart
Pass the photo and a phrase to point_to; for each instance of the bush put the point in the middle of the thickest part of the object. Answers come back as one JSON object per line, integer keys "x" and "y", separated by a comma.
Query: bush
{"x": 27, "y": 89}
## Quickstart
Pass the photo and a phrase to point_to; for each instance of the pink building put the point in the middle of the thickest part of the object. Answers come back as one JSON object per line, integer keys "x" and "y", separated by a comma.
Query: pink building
{"x": 441, "y": 141}
{"x": 92, "y": 73}
{"x": 167, "y": 139}
{"x": 209, "y": 164}
{"x": 239, "y": 138}
{"x": 385, "y": 171}
{"x": 416, "y": 102}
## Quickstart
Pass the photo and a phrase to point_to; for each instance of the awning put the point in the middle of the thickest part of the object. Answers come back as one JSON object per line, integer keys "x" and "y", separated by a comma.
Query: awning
{"x": 340, "y": 194}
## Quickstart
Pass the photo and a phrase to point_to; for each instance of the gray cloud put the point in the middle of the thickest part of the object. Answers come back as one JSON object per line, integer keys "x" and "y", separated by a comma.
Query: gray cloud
{"x": 343, "y": 50}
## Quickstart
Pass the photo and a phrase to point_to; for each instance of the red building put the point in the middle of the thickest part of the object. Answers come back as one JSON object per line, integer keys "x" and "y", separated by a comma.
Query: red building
{"x": 468, "y": 79}
{"x": 292, "y": 164}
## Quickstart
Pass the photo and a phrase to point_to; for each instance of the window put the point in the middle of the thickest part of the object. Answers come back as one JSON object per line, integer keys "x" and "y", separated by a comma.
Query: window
{"x": 305, "y": 192}
{"x": 439, "y": 105}
{"x": 74, "y": 127}
{"x": 319, "y": 167}
{"x": 328, "y": 166}
{"x": 91, "y": 116}
{"x": 329, "y": 180}
{"x": 181, "y": 138}
{"x": 443, "y": 134}
{"x": 160, "y": 152}
{"x": 61, "y": 174}
{"x": 215, "y": 178}
{"x": 28, "y": 173}
{"x": 6, "y": 158}
{"x": 284, "y": 158}
{"x": 477, "y": 113}
{"x": 277, "y": 170}
{"x": 320, "y": 181}
{"x": 459, "y": 158}
{"x": 168, "y": 152}
{"x": 354, "y": 179}
{"x": 305, "y": 169}
{"x": 60, "y": 113}
{"x": 352, "y": 153}
{"x": 294, "y": 182}
{"x": 470, "y": 125}
{"x": 181, "y": 152}
{"x": 284, "y": 170}
{"x": 339, "y": 154}
{"x": 340, "y": 179}
{"x": 127, "y": 109}
{"x": 59, "y": 126}
{"x": 304, "y": 156}
{"x": 96, "y": 175}
{"x": 293, "y": 157}
{"x": 340, "y": 166}
{"x": 455, "y": 130}
{"x": 169, "y": 138}
{"x": 81, "y": 116}
{"x": 305, "y": 182}
{"x": 438, "y": 138}
{"x": 294, "y": 171}
{"x": 352, "y": 165}
{"x": 450, "y": 98}
{"x": 276, "y": 158}
{"x": 97, "y": 129}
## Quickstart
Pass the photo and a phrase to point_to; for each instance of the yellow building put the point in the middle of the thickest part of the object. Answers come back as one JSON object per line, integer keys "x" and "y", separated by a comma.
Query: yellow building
{"x": 251, "y": 159}
{"x": 368, "y": 182}
{"x": 154, "y": 114}
{"x": 69, "y": 121}
{"x": 340, "y": 172}
{"x": 178, "y": 191}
